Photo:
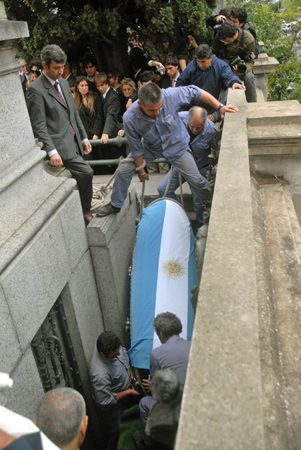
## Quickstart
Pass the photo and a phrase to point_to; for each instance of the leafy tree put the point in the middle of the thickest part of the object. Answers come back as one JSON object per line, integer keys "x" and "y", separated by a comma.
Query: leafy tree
{"x": 268, "y": 21}
{"x": 99, "y": 26}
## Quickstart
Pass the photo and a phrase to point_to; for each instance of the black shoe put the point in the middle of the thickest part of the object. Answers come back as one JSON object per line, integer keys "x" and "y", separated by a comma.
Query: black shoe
{"x": 106, "y": 210}
{"x": 138, "y": 441}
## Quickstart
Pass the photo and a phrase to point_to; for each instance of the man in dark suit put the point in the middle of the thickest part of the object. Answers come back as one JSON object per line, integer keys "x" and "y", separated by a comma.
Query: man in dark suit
{"x": 111, "y": 106}
{"x": 111, "y": 110}
{"x": 171, "y": 64}
{"x": 56, "y": 123}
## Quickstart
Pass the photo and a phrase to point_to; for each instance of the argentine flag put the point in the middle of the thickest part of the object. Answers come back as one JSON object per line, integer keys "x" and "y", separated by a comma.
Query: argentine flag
{"x": 164, "y": 272}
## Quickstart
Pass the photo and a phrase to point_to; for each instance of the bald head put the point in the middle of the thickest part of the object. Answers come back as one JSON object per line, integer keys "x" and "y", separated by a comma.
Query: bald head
{"x": 62, "y": 417}
{"x": 197, "y": 117}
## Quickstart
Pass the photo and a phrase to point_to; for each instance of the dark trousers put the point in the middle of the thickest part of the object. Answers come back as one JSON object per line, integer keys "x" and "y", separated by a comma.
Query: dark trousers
{"x": 110, "y": 418}
{"x": 83, "y": 174}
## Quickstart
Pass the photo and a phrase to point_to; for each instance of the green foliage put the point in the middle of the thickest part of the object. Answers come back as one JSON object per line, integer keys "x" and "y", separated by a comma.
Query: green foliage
{"x": 267, "y": 20}
{"x": 100, "y": 24}
{"x": 285, "y": 83}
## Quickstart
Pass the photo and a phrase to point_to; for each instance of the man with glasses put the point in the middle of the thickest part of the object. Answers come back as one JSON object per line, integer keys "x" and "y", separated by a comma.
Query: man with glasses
{"x": 115, "y": 76}
{"x": 232, "y": 43}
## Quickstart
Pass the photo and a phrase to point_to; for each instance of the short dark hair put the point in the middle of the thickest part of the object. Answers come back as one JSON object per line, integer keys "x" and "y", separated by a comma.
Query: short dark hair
{"x": 227, "y": 29}
{"x": 168, "y": 323}
{"x": 116, "y": 73}
{"x": 147, "y": 75}
{"x": 89, "y": 59}
{"x": 225, "y": 12}
{"x": 53, "y": 52}
{"x": 59, "y": 415}
{"x": 203, "y": 51}
{"x": 149, "y": 93}
{"x": 171, "y": 60}
{"x": 240, "y": 14}
{"x": 108, "y": 342}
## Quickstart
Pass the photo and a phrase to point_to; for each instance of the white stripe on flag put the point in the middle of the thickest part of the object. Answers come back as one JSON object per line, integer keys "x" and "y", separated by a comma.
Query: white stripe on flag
{"x": 172, "y": 283}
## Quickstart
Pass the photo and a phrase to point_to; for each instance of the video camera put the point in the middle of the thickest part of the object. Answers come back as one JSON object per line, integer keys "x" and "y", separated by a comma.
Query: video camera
{"x": 222, "y": 20}
{"x": 240, "y": 63}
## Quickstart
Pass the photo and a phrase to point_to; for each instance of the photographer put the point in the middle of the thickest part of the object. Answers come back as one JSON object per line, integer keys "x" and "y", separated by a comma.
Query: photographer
{"x": 237, "y": 47}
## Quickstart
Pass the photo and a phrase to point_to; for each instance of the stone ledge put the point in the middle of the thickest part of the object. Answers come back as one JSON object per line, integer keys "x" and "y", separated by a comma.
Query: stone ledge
{"x": 222, "y": 403}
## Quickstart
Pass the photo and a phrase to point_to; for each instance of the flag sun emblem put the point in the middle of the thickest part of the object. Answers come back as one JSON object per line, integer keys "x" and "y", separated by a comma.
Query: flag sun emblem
{"x": 173, "y": 268}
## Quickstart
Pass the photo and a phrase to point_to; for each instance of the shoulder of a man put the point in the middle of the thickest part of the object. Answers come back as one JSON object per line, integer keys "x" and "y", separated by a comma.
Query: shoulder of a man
{"x": 247, "y": 37}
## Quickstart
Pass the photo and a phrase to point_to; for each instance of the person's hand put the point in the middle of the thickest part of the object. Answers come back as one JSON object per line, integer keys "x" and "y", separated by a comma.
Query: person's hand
{"x": 133, "y": 392}
{"x": 104, "y": 138}
{"x": 145, "y": 384}
{"x": 87, "y": 147}
{"x": 56, "y": 161}
{"x": 228, "y": 108}
{"x": 95, "y": 136}
{"x": 143, "y": 176}
{"x": 121, "y": 133}
{"x": 129, "y": 103}
{"x": 192, "y": 41}
{"x": 211, "y": 117}
{"x": 238, "y": 86}
{"x": 219, "y": 17}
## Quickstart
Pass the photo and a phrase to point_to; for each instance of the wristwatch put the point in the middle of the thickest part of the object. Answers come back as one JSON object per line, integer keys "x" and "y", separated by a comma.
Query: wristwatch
{"x": 220, "y": 106}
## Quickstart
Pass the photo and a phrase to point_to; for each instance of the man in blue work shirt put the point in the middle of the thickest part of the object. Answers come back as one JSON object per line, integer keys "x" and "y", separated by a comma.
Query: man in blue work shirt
{"x": 110, "y": 374}
{"x": 154, "y": 130}
{"x": 201, "y": 131}
{"x": 211, "y": 74}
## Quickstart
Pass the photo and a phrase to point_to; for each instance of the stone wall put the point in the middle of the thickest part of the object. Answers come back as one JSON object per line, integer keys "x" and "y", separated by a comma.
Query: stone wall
{"x": 44, "y": 253}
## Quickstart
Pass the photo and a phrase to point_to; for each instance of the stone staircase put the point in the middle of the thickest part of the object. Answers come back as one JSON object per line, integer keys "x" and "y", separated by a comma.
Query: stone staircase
{"x": 277, "y": 240}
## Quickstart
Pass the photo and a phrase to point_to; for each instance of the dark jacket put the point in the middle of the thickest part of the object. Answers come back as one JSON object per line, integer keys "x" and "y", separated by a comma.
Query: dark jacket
{"x": 111, "y": 108}
{"x": 218, "y": 76}
{"x": 93, "y": 123}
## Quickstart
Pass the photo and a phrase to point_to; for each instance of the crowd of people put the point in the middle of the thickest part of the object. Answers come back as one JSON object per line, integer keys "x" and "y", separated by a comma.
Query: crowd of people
{"x": 107, "y": 104}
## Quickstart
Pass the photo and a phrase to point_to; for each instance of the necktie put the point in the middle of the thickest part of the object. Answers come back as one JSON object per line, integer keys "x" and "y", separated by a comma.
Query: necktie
{"x": 56, "y": 85}
{"x": 173, "y": 83}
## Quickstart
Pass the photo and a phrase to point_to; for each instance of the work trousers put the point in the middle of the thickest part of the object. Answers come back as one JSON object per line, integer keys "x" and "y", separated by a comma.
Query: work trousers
{"x": 185, "y": 164}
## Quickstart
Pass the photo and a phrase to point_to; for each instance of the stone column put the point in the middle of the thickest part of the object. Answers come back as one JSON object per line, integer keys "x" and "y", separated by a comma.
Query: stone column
{"x": 44, "y": 252}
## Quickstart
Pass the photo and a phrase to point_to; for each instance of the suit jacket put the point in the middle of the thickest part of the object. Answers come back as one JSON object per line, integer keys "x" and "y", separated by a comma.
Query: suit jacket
{"x": 52, "y": 119}
{"x": 165, "y": 82}
{"x": 111, "y": 108}
{"x": 93, "y": 123}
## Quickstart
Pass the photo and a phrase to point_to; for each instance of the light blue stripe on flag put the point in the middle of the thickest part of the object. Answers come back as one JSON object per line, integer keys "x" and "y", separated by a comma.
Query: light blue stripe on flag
{"x": 144, "y": 283}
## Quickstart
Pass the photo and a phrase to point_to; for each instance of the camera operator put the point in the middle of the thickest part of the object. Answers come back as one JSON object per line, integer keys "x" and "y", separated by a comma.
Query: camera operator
{"x": 237, "y": 47}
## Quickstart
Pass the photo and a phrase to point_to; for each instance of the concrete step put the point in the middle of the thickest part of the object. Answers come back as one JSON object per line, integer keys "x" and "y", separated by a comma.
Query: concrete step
{"x": 274, "y": 127}
{"x": 278, "y": 253}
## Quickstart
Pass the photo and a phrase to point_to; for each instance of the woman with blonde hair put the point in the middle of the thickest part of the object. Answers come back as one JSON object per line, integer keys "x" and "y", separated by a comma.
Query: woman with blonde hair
{"x": 33, "y": 75}
{"x": 129, "y": 94}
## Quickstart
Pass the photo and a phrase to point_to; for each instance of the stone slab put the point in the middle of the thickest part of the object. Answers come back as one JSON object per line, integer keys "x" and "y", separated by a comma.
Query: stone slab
{"x": 27, "y": 391}
{"x": 82, "y": 291}
{"x": 27, "y": 209}
{"x": 35, "y": 279}
{"x": 10, "y": 350}
{"x": 222, "y": 403}
{"x": 12, "y": 30}
{"x": 73, "y": 228}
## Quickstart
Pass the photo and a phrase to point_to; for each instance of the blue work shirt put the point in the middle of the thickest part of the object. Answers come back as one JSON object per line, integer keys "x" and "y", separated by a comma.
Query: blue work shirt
{"x": 109, "y": 376}
{"x": 218, "y": 75}
{"x": 200, "y": 145}
{"x": 166, "y": 135}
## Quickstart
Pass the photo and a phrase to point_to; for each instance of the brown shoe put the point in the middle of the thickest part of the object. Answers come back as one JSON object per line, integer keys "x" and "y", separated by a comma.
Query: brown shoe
{"x": 88, "y": 216}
